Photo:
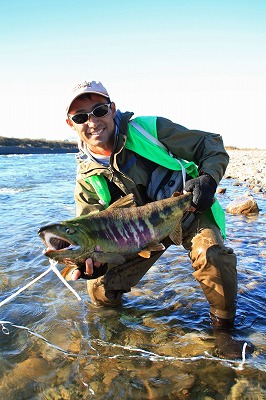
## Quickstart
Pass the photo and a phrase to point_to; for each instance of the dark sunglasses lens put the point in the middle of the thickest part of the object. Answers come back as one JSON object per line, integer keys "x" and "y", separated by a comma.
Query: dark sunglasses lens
{"x": 101, "y": 111}
{"x": 80, "y": 118}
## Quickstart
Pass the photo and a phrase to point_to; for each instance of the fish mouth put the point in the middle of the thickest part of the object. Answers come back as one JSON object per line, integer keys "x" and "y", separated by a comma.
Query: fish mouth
{"x": 55, "y": 243}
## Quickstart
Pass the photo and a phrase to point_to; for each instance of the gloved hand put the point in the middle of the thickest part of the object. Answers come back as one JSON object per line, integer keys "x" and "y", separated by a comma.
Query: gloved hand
{"x": 203, "y": 189}
{"x": 86, "y": 270}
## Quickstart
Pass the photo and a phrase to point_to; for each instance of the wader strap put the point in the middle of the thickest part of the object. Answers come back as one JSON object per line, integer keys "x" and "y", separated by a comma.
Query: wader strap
{"x": 100, "y": 186}
{"x": 147, "y": 135}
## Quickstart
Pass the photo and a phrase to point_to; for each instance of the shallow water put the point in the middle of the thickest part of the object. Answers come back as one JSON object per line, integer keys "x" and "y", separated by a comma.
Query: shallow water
{"x": 159, "y": 345}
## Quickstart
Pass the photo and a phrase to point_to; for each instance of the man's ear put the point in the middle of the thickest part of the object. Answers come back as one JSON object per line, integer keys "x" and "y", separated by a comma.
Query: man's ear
{"x": 70, "y": 123}
{"x": 113, "y": 109}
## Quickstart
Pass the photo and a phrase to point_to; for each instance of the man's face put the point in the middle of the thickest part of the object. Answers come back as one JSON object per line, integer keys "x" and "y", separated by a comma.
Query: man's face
{"x": 98, "y": 133}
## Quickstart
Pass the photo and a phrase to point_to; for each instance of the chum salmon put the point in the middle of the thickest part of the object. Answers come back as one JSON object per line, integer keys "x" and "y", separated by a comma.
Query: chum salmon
{"x": 119, "y": 231}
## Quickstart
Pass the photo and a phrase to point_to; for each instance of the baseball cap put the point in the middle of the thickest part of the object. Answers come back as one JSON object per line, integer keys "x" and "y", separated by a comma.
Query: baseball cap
{"x": 87, "y": 87}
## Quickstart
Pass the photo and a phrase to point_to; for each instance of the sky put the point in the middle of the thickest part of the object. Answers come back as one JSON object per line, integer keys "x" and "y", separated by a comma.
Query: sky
{"x": 200, "y": 63}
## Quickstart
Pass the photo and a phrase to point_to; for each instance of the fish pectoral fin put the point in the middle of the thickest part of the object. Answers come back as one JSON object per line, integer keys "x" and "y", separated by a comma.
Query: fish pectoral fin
{"x": 146, "y": 253}
{"x": 124, "y": 202}
{"x": 156, "y": 247}
{"x": 109, "y": 258}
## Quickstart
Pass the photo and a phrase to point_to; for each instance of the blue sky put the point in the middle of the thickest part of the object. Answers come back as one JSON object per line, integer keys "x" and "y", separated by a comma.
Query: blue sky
{"x": 200, "y": 63}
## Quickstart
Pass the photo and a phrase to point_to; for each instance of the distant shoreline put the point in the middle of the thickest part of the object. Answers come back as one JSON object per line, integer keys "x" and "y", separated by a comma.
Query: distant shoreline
{"x": 14, "y": 146}
{"x": 13, "y": 150}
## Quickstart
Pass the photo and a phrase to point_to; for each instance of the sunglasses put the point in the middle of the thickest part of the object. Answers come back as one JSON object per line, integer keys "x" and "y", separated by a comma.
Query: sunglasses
{"x": 98, "y": 112}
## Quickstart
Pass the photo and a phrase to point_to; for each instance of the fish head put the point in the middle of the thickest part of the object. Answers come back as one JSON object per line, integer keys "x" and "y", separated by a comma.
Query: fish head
{"x": 65, "y": 240}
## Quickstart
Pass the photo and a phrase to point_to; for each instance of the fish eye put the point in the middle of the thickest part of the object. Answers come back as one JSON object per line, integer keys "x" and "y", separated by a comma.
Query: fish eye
{"x": 70, "y": 231}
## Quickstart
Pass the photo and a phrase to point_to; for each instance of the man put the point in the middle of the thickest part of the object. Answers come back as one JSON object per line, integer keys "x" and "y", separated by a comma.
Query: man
{"x": 102, "y": 138}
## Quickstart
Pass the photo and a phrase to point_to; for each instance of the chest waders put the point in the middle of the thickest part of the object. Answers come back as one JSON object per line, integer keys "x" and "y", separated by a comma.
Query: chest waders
{"x": 146, "y": 148}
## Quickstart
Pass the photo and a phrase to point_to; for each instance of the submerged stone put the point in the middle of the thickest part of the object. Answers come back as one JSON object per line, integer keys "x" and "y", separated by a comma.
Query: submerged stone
{"x": 243, "y": 205}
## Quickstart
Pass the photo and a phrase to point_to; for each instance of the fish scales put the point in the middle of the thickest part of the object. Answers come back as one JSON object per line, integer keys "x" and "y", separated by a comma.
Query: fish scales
{"x": 117, "y": 231}
{"x": 127, "y": 227}
{"x": 123, "y": 231}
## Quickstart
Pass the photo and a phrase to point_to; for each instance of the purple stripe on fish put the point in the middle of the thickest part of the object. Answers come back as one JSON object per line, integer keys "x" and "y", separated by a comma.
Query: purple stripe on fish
{"x": 142, "y": 232}
{"x": 126, "y": 234}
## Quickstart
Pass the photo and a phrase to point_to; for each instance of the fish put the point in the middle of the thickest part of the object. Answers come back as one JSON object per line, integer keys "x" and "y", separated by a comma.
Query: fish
{"x": 112, "y": 235}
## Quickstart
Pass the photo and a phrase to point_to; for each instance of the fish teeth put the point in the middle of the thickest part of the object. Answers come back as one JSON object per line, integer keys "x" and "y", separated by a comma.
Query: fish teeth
{"x": 55, "y": 242}
{"x": 73, "y": 247}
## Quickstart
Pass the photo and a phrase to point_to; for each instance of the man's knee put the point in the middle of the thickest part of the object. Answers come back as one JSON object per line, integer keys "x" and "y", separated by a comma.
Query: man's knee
{"x": 108, "y": 289}
{"x": 102, "y": 297}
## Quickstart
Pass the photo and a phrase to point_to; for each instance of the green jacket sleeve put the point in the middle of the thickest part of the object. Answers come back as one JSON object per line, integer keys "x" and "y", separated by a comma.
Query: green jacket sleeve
{"x": 204, "y": 148}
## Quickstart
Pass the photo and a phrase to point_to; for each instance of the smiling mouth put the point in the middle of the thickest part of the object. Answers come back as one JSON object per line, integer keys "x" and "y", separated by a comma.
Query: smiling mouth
{"x": 96, "y": 133}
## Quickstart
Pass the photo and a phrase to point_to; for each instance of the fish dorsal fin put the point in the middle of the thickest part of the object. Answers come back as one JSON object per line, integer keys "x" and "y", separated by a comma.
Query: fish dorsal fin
{"x": 176, "y": 194}
{"x": 124, "y": 202}
{"x": 146, "y": 253}
{"x": 176, "y": 234}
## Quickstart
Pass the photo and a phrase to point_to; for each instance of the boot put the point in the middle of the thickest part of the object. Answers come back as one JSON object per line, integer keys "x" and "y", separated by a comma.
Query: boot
{"x": 222, "y": 324}
{"x": 226, "y": 345}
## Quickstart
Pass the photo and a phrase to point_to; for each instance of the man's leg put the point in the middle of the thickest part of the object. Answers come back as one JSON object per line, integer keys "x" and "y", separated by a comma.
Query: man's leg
{"x": 215, "y": 267}
{"x": 215, "y": 270}
{"x": 108, "y": 289}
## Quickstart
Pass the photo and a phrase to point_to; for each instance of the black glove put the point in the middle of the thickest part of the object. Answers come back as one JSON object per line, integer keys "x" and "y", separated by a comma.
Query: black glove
{"x": 203, "y": 189}
{"x": 99, "y": 271}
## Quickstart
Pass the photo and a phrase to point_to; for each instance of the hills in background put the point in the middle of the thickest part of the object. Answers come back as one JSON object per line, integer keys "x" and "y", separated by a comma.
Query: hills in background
{"x": 36, "y": 146}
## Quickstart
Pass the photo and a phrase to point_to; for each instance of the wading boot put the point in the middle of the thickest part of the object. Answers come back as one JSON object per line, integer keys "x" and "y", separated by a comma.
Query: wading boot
{"x": 226, "y": 345}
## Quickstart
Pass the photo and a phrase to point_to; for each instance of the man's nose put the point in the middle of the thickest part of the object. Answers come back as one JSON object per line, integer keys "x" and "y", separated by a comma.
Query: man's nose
{"x": 92, "y": 120}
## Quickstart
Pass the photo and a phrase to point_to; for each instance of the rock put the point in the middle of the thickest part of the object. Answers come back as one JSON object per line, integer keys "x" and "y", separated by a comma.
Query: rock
{"x": 21, "y": 378}
{"x": 245, "y": 390}
{"x": 257, "y": 189}
{"x": 243, "y": 205}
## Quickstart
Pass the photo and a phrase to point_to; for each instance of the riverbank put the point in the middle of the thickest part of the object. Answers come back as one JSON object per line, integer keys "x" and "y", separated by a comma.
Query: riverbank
{"x": 10, "y": 146}
{"x": 248, "y": 167}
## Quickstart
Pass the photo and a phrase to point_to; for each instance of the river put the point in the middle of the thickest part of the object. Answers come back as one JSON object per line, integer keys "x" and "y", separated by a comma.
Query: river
{"x": 158, "y": 345}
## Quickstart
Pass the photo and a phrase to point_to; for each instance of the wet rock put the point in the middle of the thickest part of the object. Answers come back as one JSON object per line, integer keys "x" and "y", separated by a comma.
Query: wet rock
{"x": 243, "y": 205}
{"x": 221, "y": 190}
{"x": 257, "y": 189}
{"x": 215, "y": 380}
{"x": 21, "y": 379}
{"x": 244, "y": 390}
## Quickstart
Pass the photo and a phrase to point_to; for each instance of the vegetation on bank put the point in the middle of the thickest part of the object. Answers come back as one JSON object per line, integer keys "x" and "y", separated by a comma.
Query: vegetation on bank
{"x": 41, "y": 143}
